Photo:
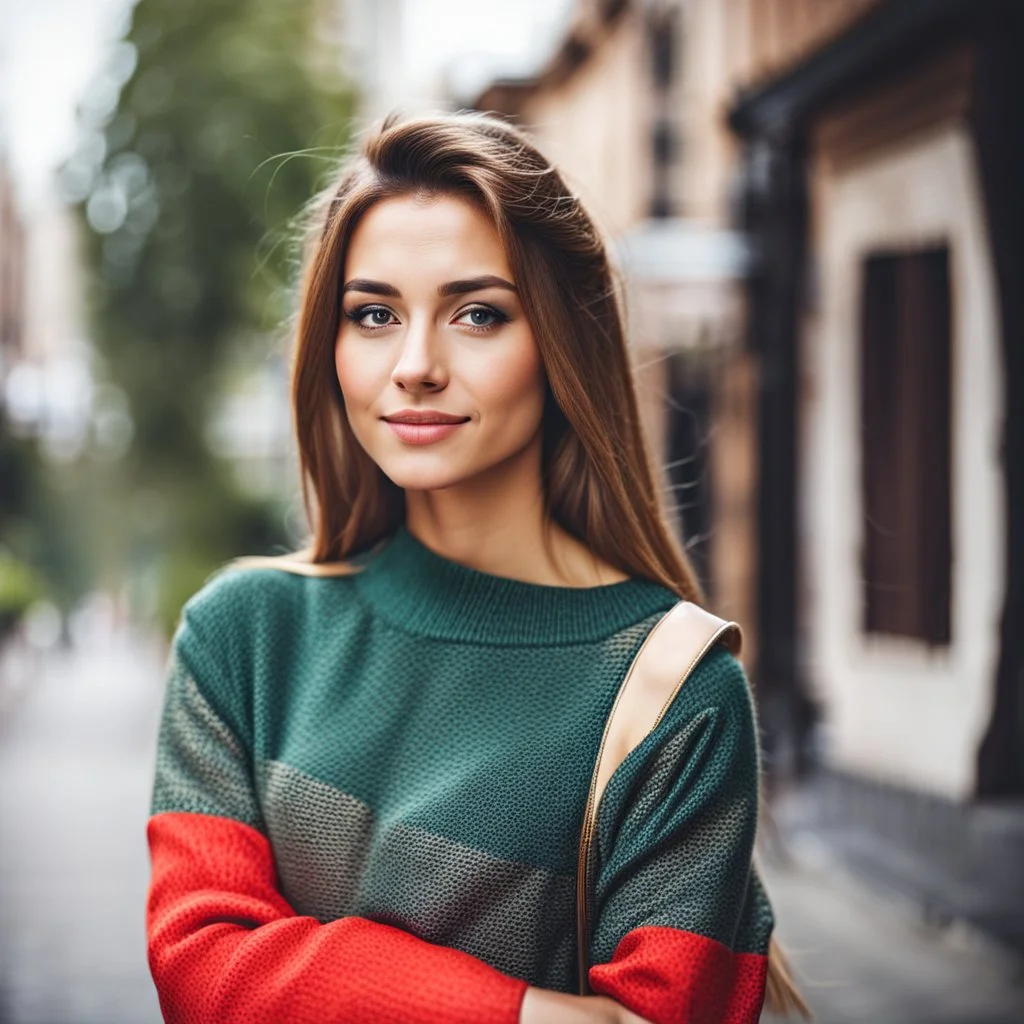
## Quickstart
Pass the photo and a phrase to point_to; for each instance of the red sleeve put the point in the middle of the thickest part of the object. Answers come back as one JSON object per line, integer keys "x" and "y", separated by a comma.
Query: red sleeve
{"x": 671, "y": 976}
{"x": 225, "y": 947}
{"x": 681, "y": 921}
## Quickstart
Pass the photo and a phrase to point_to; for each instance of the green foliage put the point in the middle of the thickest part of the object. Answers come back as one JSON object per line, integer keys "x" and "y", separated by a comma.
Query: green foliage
{"x": 228, "y": 115}
{"x": 28, "y": 545}
{"x": 20, "y": 586}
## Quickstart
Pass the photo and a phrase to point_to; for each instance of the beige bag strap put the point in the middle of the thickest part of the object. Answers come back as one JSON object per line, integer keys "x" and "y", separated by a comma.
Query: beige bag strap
{"x": 670, "y": 652}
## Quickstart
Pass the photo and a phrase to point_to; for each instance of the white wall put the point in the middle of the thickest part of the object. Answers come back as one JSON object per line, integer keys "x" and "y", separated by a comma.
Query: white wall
{"x": 895, "y": 709}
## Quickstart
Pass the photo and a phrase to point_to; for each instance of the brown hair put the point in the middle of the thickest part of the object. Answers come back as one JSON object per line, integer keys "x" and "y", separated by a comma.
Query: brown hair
{"x": 599, "y": 483}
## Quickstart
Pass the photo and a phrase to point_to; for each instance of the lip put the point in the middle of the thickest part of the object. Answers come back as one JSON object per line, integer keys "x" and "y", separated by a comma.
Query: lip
{"x": 423, "y": 416}
{"x": 423, "y": 426}
{"x": 423, "y": 433}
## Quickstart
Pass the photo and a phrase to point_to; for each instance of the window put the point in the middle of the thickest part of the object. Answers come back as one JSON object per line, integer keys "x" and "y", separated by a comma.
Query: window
{"x": 905, "y": 387}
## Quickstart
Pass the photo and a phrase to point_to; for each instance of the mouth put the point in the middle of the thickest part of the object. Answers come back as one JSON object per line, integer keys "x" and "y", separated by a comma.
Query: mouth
{"x": 431, "y": 418}
{"x": 424, "y": 431}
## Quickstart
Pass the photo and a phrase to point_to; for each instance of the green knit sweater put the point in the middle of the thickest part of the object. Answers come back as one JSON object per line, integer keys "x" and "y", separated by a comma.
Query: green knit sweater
{"x": 412, "y": 746}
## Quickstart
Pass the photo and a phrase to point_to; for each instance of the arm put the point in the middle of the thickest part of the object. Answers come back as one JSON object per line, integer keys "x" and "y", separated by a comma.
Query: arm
{"x": 223, "y": 944}
{"x": 541, "y": 1006}
{"x": 681, "y": 923}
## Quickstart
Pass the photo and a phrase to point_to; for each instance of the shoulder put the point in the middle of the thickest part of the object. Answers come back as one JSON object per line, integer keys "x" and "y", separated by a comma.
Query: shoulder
{"x": 234, "y": 594}
{"x": 708, "y": 734}
{"x": 718, "y": 693}
{"x": 714, "y": 698}
{"x": 261, "y": 583}
{"x": 244, "y": 607}
{"x": 716, "y": 702}
{"x": 704, "y": 749}
{"x": 245, "y": 624}
{"x": 688, "y": 653}
{"x": 719, "y": 680}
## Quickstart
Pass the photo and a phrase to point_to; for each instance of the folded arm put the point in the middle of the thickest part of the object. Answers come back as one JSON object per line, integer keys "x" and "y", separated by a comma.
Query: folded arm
{"x": 225, "y": 946}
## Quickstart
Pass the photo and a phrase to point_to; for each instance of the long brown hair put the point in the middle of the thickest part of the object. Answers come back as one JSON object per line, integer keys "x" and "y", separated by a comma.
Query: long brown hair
{"x": 598, "y": 478}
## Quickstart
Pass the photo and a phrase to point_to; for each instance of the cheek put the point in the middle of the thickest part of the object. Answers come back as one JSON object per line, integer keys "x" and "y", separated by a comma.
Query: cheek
{"x": 355, "y": 375}
{"x": 515, "y": 386}
{"x": 359, "y": 390}
{"x": 341, "y": 370}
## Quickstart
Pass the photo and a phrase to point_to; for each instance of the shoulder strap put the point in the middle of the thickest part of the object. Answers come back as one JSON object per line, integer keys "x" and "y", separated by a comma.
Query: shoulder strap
{"x": 670, "y": 652}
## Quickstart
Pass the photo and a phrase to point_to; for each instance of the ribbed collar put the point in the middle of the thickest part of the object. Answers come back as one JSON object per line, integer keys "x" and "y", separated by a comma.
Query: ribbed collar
{"x": 423, "y": 592}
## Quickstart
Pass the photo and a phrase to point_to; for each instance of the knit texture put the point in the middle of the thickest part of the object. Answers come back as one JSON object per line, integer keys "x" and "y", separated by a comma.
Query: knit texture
{"x": 369, "y": 792}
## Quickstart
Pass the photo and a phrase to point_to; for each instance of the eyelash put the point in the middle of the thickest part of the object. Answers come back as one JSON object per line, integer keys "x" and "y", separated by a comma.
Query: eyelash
{"x": 359, "y": 312}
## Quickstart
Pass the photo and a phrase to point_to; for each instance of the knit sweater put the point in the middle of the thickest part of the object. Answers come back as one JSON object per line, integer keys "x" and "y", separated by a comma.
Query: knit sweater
{"x": 369, "y": 791}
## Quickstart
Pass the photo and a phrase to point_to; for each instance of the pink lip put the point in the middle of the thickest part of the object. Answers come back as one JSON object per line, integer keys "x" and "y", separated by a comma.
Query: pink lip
{"x": 423, "y": 433}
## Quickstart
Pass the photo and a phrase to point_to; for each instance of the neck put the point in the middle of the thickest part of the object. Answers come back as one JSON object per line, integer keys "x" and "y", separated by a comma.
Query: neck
{"x": 496, "y": 523}
{"x": 421, "y": 591}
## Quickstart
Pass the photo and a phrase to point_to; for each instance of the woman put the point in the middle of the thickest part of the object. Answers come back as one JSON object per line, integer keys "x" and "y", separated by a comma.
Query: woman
{"x": 373, "y": 765}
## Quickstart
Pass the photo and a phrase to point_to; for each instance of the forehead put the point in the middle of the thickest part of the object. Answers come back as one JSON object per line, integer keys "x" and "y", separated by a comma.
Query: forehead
{"x": 416, "y": 237}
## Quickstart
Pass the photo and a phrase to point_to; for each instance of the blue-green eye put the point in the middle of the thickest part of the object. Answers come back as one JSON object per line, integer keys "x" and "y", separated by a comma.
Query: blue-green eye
{"x": 481, "y": 318}
{"x": 371, "y": 317}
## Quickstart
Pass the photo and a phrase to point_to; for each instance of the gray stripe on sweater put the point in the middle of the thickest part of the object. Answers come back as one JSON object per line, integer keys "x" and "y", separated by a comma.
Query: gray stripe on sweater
{"x": 336, "y": 858}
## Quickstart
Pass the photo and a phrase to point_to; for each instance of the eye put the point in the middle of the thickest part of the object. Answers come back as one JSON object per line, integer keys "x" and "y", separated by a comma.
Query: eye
{"x": 481, "y": 318}
{"x": 371, "y": 318}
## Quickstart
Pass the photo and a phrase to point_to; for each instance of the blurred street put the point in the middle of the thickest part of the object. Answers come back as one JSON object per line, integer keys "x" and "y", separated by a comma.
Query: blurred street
{"x": 76, "y": 741}
{"x": 76, "y": 744}
{"x": 860, "y": 955}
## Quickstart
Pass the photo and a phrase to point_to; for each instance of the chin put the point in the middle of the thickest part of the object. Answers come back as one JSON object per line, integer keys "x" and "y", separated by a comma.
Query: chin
{"x": 424, "y": 478}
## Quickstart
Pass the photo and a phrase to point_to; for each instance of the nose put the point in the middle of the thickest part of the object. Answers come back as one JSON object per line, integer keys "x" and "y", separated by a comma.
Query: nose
{"x": 421, "y": 363}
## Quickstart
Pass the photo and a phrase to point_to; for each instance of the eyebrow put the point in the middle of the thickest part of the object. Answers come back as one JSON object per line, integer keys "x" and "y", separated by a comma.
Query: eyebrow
{"x": 471, "y": 284}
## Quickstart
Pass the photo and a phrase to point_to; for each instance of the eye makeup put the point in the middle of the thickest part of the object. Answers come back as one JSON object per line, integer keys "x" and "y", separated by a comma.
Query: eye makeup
{"x": 364, "y": 312}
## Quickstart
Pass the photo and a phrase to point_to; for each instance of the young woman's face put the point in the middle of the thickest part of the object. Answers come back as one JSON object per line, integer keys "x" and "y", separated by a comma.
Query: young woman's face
{"x": 432, "y": 324}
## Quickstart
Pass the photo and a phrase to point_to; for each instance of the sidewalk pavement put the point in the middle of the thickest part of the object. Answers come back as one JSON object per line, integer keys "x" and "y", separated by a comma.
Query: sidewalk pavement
{"x": 76, "y": 749}
{"x": 862, "y": 954}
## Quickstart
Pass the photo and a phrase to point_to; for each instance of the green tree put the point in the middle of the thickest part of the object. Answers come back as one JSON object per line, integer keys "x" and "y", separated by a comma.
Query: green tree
{"x": 214, "y": 124}
{"x": 20, "y": 581}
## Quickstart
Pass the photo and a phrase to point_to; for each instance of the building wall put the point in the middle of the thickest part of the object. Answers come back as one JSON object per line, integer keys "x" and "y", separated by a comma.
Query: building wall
{"x": 12, "y": 283}
{"x": 53, "y": 295}
{"x": 728, "y": 46}
{"x": 733, "y": 555}
{"x": 895, "y": 709}
{"x": 595, "y": 127}
{"x": 732, "y": 45}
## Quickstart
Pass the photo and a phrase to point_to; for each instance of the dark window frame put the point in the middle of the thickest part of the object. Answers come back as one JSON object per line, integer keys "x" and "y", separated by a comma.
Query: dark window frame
{"x": 905, "y": 351}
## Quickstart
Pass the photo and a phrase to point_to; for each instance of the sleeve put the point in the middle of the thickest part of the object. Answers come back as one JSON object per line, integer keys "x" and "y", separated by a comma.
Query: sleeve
{"x": 223, "y": 944}
{"x": 681, "y": 921}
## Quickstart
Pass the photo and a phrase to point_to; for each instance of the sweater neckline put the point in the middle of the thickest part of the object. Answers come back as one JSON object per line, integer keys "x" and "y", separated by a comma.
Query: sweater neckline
{"x": 424, "y": 592}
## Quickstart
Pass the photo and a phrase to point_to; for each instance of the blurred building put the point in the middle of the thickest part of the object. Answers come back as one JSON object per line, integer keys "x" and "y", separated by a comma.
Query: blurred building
{"x": 878, "y": 184}
{"x": 850, "y": 358}
{"x": 12, "y": 285}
